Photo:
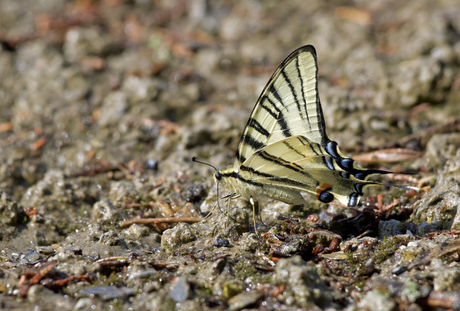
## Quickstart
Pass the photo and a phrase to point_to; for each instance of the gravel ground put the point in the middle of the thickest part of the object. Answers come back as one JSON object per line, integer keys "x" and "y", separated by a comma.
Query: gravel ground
{"x": 103, "y": 103}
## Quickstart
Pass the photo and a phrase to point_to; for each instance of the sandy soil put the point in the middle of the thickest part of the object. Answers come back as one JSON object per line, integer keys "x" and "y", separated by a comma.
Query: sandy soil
{"x": 103, "y": 103}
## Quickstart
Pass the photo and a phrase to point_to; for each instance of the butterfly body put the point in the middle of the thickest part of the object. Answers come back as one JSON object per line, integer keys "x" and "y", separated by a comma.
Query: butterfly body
{"x": 284, "y": 149}
{"x": 249, "y": 188}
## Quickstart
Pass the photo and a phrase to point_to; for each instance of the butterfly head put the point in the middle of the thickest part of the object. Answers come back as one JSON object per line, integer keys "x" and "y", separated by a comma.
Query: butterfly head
{"x": 223, "y": 176}
{"x": 218, "y": 175}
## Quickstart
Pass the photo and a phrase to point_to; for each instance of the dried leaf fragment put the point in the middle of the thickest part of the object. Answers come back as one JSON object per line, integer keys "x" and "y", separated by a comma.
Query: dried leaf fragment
{"x": 388, "y": 155}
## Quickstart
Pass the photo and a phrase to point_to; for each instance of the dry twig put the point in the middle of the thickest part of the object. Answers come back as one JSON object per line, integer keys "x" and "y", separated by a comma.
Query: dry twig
{"x": 25, "y": 285}
{"x": 157, "y": 221}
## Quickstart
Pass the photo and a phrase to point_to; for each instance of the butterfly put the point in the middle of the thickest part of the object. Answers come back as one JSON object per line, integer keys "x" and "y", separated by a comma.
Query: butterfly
{"x": 284, "y": 149}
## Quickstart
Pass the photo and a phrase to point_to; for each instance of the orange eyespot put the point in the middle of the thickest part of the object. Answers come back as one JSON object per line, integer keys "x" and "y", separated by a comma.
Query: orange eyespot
{"x": 322, "y": 187}
{"x": 323, "y": 194}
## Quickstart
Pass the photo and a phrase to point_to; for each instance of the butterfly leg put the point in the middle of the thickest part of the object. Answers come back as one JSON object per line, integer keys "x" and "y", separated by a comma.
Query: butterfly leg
{"x": 260, "y": 218}
{"x": 217, "y": 205}
{"x": 229, "y": 198}
{"x": 208, "y": 216}
{"x": 255, "y": 206}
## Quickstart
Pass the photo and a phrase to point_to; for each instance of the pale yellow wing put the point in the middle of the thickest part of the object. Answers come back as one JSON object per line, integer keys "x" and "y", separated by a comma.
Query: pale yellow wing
{"x": 284, "y": 143}
{"x": 288, "y": 106}
{"x": 298, "y": 163}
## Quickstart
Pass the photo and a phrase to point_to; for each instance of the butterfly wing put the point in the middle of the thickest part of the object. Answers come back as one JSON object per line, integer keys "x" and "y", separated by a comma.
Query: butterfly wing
{"x": 284, "y": 143}
{"x": 288, "y": 106}
{"x": 298, "y": 163}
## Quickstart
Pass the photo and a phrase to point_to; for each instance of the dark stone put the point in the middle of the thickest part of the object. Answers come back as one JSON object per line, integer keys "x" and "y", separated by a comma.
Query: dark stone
{"x": 151, "y": 164}
{"x": 220, "y": 242}
{"x": 195, "y": 193}
{"x": 399, "y": 270}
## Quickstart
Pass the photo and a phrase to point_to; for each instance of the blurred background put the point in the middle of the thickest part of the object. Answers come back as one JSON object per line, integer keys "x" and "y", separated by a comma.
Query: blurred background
{"x": 103, "y": 103}
{"x": 88, "y": 85}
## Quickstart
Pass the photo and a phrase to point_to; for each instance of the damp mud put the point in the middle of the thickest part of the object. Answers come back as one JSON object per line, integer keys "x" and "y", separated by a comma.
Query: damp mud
{"x": 103, "y": 104}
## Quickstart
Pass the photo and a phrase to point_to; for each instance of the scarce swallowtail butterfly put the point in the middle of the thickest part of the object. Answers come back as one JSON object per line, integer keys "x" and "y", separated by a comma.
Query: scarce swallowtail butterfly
{"x": 284, "y": 149}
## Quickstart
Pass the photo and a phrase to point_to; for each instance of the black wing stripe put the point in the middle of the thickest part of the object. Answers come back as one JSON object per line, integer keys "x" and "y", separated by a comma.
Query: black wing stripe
{"x": 287, "y": 181}
{"x": 251, "y": 141}
{"x": 280, "y": 119}
{"x": 293, "y": 149}
{"x": 258, "y": 127}
{"x": 274, "y": 115}
{"x": 239, "y": 156}
{"x": 302, "y": 90}
{"x": 312, "y": 147}
{"x": 278, "y": 161}
{"x": 239, "y": 177}
{"x": 277, "y": 96}
{"x": 291, "y": 87}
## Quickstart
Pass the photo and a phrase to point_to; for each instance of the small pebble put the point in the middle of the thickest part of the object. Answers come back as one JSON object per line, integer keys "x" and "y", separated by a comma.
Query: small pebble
{"x": 151, "y": 164}
{"x": 156, "y": 250}
{"x": 219, "y": 242}
{"x": 244, "y": 299}
{"x": 46, "y": 250}
{"x": 31, "y": 258}
{"x": 399, "y": 270}
{"x": 181, "y": 290}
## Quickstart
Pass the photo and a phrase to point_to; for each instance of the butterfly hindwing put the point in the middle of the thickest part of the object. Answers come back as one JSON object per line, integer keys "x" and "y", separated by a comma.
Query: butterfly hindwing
{"x": 297, "y": 163}
{"x": 288, "y": 106}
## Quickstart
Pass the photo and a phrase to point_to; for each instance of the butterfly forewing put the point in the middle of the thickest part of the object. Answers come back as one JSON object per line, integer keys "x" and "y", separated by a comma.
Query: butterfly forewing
{"x": 288, "y": 106}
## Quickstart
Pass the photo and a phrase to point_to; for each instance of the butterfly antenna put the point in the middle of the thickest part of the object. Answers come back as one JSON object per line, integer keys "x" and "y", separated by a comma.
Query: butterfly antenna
{"x": 195, "y": 160}
{"x": 217, "y": 184}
